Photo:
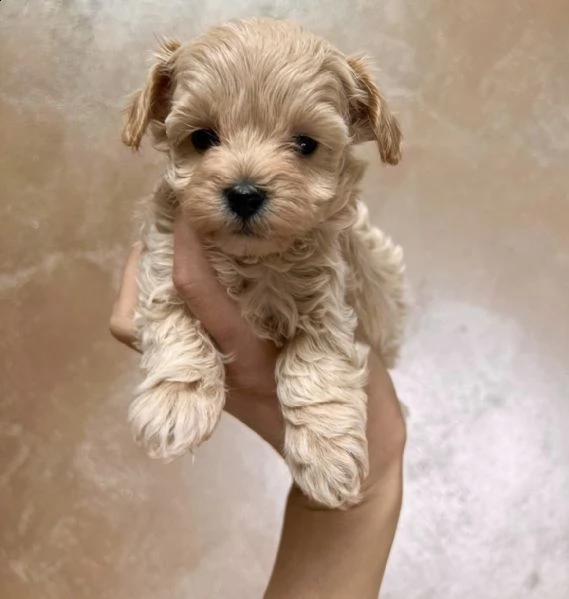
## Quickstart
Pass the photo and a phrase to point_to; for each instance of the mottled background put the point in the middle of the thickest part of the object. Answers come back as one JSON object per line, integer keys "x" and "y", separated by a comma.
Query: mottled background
{"x": 480, "y": 205}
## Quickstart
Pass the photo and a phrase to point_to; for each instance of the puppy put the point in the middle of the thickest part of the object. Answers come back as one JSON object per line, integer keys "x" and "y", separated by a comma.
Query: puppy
{"x": 259, "y": 118}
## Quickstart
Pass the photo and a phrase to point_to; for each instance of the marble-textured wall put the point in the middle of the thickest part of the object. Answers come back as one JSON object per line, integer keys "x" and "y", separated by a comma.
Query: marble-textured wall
{"x": 481, "y": 205}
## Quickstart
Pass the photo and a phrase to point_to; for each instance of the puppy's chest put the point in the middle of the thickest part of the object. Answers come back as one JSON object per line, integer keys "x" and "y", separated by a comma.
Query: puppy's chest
{"x": 272, "y": 300}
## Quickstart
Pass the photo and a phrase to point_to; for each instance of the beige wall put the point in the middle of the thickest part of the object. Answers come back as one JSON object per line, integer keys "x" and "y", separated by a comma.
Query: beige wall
{"x": 481, "y": 206}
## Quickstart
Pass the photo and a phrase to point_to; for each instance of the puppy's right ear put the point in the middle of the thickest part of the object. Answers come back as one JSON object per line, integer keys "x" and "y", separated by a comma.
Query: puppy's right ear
{"x": 152, "y": 103}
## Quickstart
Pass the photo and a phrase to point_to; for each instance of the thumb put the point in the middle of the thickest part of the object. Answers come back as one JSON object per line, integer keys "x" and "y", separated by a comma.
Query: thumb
{"x": 197, "y": 284}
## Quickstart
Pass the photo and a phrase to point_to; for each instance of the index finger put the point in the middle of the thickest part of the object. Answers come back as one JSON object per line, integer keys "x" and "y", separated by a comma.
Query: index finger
{"x": 197, "y": 284}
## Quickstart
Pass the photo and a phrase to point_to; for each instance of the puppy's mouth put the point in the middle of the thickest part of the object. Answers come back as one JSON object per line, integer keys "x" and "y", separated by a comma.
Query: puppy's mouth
{"x": 246, "y": 229}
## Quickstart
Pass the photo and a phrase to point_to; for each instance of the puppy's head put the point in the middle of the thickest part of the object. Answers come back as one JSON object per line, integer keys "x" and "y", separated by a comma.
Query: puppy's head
{"x": 258, "y": 118}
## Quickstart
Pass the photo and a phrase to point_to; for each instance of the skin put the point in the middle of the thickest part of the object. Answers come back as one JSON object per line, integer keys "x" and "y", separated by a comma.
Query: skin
{"x": 322, "y": 553}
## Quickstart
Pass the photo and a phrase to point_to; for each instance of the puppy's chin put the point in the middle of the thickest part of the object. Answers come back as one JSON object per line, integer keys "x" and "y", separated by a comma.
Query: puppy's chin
{"x": 249, "y": 245}
{"x": 225, "y": 234}
{"x": 261, "y": 237}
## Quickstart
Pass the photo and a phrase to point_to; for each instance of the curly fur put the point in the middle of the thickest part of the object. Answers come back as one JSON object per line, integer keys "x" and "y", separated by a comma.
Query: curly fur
{"x": 311, "y": 274}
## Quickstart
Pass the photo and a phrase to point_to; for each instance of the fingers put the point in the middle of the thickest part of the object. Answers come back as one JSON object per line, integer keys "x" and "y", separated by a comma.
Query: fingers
{"x": 198, "y": 286}
{"x": 386, "y": 428}
{"x": 121, "y": 324}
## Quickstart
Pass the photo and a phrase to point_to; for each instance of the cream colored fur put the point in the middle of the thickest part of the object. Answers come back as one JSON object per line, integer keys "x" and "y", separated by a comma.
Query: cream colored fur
{"x": 310, "y": 275}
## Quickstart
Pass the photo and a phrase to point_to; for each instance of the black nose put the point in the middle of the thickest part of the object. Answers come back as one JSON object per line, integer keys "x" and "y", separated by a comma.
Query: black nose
{"x": 244, "y": 199}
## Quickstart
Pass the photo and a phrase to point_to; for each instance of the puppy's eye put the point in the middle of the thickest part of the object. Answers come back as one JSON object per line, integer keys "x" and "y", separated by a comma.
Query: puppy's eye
{"x": 204, "y": 139}
{"x": 305, "y": 145}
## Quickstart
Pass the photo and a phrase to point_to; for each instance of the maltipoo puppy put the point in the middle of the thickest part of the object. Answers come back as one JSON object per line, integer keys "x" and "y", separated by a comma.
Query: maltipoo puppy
{"x": 259, "y": 118}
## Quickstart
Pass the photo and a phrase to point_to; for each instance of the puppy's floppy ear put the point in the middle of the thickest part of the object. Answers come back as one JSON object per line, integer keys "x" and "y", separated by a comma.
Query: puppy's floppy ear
{"x": 370, "y": 116}
{"x": 152, "y": 103}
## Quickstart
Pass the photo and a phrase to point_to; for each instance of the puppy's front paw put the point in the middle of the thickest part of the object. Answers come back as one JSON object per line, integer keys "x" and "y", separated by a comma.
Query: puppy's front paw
{"x": 172, "y": 418}
{"x": 328, "y": 469}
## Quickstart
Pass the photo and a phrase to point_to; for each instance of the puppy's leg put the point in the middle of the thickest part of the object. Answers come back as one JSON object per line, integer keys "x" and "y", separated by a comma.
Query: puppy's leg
{"x": 182, "y": 395}
{"x": 376, "y": 286}
{"x": 320, "y": 384}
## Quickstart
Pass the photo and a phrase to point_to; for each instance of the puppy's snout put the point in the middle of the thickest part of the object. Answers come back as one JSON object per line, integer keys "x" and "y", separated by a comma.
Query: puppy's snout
{"x": 244, "y": 199}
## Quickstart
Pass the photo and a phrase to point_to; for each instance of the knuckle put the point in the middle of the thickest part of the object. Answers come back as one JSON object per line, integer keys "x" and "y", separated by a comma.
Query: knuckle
{"x": 182, "y": 283}
{"x": 121, "y": 329}
{"x": 177, "y": 277}
{"x": 114, "y": 321}
{"x": 193, "y": 291}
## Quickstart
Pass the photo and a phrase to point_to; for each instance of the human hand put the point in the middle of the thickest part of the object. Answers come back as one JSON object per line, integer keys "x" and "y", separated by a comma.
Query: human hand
{"x": 251, "y": 384}
{"x": 322, "y": 553}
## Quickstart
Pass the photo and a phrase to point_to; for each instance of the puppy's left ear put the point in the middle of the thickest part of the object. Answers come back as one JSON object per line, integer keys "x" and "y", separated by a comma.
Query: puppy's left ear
{"x": 370, "y": 116}
{"x": 151, "y": 104}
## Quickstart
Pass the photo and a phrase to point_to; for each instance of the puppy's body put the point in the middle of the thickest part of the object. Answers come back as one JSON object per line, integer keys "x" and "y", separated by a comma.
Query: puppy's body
{"x": 280, "y": 109}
